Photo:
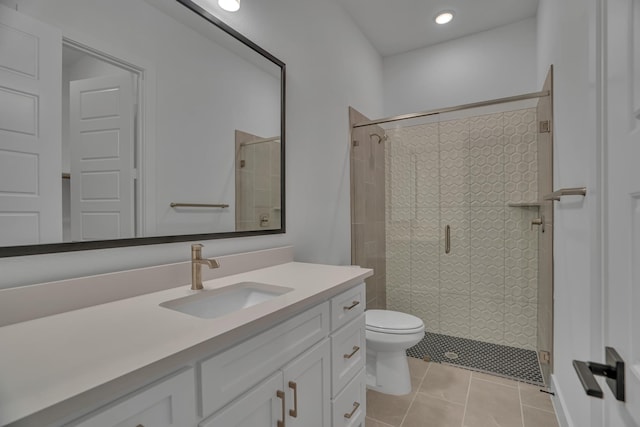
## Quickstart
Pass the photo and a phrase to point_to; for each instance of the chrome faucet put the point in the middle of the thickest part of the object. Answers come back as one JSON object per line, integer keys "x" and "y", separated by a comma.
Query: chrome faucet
{"x": 196, "y": 266}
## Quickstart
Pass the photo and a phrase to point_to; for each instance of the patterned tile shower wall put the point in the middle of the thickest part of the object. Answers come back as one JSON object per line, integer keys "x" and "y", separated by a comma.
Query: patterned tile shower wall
{"x": 464, "y": 173}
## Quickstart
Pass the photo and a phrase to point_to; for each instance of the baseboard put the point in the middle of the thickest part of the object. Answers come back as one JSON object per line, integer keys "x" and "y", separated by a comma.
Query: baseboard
{"x": 559, "y": 405}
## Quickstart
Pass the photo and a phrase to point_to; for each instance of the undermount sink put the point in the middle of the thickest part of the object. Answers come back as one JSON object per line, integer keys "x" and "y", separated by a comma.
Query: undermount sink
{"x": 218, "y": 302}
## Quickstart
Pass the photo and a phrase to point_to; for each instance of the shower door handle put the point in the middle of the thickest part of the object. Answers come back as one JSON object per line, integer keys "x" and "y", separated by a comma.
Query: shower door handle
{"x": 447, "y": 239}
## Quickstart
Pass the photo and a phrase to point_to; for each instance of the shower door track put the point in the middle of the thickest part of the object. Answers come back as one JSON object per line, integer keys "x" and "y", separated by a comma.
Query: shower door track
{"x": 525, "y": 96}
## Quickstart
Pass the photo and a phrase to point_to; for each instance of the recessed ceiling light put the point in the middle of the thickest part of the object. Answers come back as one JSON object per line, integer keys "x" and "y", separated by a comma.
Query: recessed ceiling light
{"x": 229, "y": 5}
{"x": 444, "y": 18}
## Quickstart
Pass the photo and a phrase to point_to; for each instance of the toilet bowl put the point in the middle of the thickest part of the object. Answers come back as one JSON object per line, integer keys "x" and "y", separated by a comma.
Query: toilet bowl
{"x": 389, "y": 334}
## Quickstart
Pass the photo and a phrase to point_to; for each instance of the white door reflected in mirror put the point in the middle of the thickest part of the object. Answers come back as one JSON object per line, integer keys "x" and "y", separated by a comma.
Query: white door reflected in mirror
{"x": 113, "y": 172}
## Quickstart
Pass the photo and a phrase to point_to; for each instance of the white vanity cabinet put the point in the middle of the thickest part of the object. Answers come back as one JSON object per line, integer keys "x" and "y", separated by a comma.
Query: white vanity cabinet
{"x": 323, "y": 387}
{"x": 348, "y": 352}
{"x": 294, "y": 396}
{"x": 295, "y": 391}
{"x": 169, "y": 402}
{"x": 306, "y": 371}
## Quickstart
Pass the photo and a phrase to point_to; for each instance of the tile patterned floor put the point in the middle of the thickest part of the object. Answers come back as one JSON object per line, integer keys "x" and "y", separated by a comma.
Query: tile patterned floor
{"x": 509, "y": 362}
{"x": 448, "y": 396}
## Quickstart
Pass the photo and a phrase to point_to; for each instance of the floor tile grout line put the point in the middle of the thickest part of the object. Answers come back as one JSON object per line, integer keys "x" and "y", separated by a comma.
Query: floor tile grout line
{"x": 495, "y": 382}
{"x": 539, "y": 409}
{"x": 466, "y": 401}
{"x": 521, "y": 406}
{"x": 378, "y": 422}
{"x": 415, "y": 395}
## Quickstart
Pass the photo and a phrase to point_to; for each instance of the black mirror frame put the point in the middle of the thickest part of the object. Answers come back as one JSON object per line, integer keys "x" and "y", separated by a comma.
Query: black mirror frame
{"x": 47, "y": 248}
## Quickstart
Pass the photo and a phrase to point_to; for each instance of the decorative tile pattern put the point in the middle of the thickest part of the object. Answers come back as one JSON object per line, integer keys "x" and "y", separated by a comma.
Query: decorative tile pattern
{"x": 455, "y": 266}
{"x": 487, "y": 319}
{"x": 425, "y": 305}
{"x": 455, "y": 314}
{"x": 454, "y": 163}
{"x": 520, "y": 320}
{"x": 501, "y": 360}
{"x": 521, "y": 261}
{"x": 486, "y": 159}
{"x": 521, "y": 162}
{"x": 425, "y": 250}
{"x": 463, "y": 173}
{"x": 487, "y": 252}
{"x": 398, "y": 299}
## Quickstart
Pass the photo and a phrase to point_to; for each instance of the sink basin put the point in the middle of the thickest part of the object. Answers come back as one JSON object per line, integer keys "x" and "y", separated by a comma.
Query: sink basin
{"x": 218, "y": 302}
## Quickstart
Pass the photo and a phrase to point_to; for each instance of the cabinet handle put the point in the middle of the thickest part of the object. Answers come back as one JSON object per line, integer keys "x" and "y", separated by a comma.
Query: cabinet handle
{"x": 280, "y": 395}
{"x": 356, "y": 405}
{"x": 294, "y": 412}
{"x": 447, "y": 239}
{"x": 353, "y": 304}
{"x": 355, "y": 350}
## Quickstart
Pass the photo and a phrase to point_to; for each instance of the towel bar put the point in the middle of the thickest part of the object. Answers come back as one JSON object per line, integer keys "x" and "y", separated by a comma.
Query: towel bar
{"x": 198, "y": 205}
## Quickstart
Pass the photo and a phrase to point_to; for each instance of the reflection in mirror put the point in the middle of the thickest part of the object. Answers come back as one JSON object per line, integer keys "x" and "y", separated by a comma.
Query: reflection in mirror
{"x": 118, "y": 113}
{"x": 257, "y": 181}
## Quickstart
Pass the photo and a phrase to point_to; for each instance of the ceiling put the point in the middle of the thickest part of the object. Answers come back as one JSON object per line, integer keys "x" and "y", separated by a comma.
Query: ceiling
{"x": 396, "y": 26}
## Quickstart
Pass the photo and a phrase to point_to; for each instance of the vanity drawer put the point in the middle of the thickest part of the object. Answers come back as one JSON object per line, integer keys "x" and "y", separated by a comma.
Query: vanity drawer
{"x": 230, "y": 373}
{"x": 347, "y": 306}
{"x": 350, "y": 407}
{"x": 165, "y": 403}
{"x": 347, "y": 353}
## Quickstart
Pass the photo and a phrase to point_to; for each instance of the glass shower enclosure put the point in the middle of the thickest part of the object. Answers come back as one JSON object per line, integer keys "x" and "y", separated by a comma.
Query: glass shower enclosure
{"x": 446, "y": 208}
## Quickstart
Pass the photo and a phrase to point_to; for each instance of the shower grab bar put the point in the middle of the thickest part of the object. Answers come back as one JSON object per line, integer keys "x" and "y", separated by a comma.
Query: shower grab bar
{"x": 447, "y": 239}
{"x": 198, "y": 205}
{"x": 556, "y": 195}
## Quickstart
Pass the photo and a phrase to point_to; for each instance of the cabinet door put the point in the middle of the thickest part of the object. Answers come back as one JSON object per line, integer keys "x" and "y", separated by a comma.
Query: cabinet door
{"x": 262, "y": 406}
{"x": 227, "y": 375}
{"x": 167, "y": 403}
{"x": 307, "y": 380}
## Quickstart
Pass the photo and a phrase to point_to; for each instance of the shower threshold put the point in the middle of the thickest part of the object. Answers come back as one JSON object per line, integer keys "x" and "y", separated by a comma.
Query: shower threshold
{"x": 500, "y": 360}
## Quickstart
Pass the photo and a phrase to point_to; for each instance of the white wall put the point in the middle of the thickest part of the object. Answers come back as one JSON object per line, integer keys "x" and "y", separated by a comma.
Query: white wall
{"x": 566, "y": 39}
{"x": 328, "y": 68}
{"x": 492, "y": 64}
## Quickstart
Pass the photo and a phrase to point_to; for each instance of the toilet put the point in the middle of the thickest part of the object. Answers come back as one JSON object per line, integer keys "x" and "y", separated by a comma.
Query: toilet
{"x": 388, "y": 335}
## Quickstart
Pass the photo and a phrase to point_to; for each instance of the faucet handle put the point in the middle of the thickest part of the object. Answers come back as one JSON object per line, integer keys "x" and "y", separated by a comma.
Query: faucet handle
{"x": 196, "y": 250}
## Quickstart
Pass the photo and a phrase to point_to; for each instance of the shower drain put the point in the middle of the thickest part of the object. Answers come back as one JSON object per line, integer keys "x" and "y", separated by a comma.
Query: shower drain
{"x": 451, "y": 355}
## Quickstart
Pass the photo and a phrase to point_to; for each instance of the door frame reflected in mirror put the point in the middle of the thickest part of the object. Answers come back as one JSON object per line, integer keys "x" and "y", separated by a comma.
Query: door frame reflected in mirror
{"x": 24, "y": 250}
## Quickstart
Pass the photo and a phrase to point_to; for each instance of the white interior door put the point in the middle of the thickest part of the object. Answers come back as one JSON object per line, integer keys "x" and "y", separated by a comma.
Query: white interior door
{"x": 622, "y": 225}
{"x": 102, "y": 158}
{"x": 30, "y": 130}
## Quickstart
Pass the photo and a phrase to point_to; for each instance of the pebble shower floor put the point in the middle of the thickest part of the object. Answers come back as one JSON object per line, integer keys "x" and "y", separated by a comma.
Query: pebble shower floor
{"x": 509, "y": 362}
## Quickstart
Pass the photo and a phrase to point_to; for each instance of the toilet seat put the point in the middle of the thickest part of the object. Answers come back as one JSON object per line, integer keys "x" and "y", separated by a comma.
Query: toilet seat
{"x": 392, "y": 322}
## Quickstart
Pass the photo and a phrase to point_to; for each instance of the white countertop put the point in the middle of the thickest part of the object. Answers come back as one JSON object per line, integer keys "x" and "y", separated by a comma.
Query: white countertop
{"x": 48, "y": 360}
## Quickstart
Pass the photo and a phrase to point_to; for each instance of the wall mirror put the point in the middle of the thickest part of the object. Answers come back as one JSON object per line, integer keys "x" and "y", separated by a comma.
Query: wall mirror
{"x": 132, "y": 122}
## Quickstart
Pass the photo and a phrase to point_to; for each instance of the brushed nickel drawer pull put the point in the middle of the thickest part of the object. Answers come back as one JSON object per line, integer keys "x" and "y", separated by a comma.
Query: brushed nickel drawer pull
{"x": 294, "y": 412}
{"x": 356, "y": 405}
{"x": 355, "y": 350}
{"x": 280, "y": 395}
{"x": 447, "y": 239}
{"x": 353, "y": 304}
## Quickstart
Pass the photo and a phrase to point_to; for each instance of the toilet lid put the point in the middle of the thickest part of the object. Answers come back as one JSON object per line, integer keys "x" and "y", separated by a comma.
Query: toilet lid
{"x": 392, "y": 322}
